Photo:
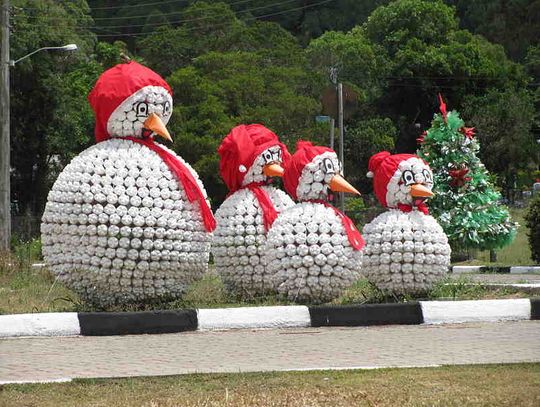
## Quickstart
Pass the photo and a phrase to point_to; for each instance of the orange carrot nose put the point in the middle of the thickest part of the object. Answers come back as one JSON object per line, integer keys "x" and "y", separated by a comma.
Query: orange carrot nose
{"x": 156, "y": 125}
{"x": 273, "y": 170}
{"x": 339, "y": 184}
{"x": 421, "y": 191}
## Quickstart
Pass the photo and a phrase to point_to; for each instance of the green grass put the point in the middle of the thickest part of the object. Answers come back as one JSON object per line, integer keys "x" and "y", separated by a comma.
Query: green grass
{"x": 24, "y": 289}
{"x": 516, "y": 253}
{"x": 481, "y": 385}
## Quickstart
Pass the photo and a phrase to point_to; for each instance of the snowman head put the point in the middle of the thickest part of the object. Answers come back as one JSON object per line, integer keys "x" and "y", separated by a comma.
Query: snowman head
{"x": 131, "y": 100}
{"x": 400, "y": 179}
{"x": 251, "y": 154}
{"x": 146, "y": 111}
{"x": 267, "y": 164}
{"x": 313, "y": 172}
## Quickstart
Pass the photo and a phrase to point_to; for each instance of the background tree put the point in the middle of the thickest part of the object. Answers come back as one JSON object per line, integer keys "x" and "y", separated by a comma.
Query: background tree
{"x": 222, "y": 90}
{"x": 427, "y": 54}
{"x": 503, "y": 120}
{"x": 466, "y": 201}
{"x": 365, "y": 138}
{"x": 38, "y": 85}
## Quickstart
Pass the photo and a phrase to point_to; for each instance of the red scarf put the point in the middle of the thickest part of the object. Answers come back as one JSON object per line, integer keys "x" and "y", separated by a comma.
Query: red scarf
{"x": 407, "y": 208}
{"x": 355, "y": 238}
{"x": 184, "y": 176}
{"x": 267, "y": 206}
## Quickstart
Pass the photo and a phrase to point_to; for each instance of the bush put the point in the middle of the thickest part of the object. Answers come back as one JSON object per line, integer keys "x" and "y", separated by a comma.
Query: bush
{"x": 532, "y": 220}
{"x": 26, "y": 251}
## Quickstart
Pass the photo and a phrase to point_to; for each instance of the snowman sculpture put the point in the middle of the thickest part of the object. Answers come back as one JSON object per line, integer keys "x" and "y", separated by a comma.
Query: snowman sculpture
{"x": 406, "y": 249}
{"x": 313, "y": 249}
{"x": 127, "y": 220}
{"x": 249, "y": 156}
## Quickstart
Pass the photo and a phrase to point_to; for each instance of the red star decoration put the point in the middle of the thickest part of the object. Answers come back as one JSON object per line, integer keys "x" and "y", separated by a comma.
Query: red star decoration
{"x": 468, "y": 132}
{"x": 442, "y": 107}
{"x": 459, "y": 177}
{"x": 420, "y": 139}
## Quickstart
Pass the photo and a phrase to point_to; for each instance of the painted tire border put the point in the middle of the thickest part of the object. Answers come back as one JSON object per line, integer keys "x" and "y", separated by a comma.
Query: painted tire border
{"x": 295, "y": 316}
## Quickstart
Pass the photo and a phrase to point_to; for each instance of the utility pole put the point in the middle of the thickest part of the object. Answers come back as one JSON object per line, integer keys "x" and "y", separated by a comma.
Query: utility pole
{"x": 5, "y": 199}
{"x": 340, "y": 123}
{"x": 332, "y": 129}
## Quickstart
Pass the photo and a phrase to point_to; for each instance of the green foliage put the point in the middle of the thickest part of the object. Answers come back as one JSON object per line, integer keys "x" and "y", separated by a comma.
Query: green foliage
{"x": 465, "y": 205}
{"x": 363, "y": 139}
{"x": 426, "y": 54}
{"x": 221, "y": 90}
{"x": 26, "y": 251}
{"x": 532, "y": 219}
{"x": 513, "y": 24}
{"x": 358, "y": 60}
{"x": 403, "y": 23}
{"x": 215, "y": 28}
{"x": 503, "y": 120}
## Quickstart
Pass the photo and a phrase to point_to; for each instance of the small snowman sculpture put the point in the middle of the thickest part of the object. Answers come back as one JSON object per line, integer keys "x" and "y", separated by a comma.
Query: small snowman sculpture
{"x": 406, "y": 249}
{"x": 249, "y": 156}
{"x": 127, "y": 220}
{"x": 313, "y": 249}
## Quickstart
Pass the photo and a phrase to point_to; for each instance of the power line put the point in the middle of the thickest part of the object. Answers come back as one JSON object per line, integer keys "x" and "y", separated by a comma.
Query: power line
{"x": 195, "y": 28}
{"x": 132, "y": 17}
{"x": 122, "y": 7}
{"x": 191, "y": 19}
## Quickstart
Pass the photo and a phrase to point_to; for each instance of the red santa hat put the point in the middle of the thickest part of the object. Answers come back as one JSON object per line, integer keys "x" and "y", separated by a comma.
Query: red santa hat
{"x": 305, "y": 153}
{"x": 114, "y": 86}
{"x": 382, "y": 166}
{"x": 241, "y": 147}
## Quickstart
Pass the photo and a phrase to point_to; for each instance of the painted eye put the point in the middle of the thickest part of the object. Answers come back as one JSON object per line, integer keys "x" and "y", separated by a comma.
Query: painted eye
{"x": 329, "y": 166}
{"x": 277, "y": 155}
{"x": 268, "y": 158}
{"x": 427, "y": 175}
{"x": 166, "y": 108}
{"x": 142, "y": 109}
{"x": 408, "y": 177}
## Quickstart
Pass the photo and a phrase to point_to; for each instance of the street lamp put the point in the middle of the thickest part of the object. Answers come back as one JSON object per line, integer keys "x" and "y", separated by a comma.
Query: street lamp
{"x": 68, "y": 47}
{"x": 5, "y": 63}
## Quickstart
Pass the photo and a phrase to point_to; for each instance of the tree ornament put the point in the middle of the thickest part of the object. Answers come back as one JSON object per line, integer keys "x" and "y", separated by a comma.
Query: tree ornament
{"x": 459, "y": 176}
{"x": 467, "y": 132}
{"x": 442, "y": 108}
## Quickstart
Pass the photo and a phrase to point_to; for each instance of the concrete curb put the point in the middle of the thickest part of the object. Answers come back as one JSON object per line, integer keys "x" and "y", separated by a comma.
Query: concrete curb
{"x": 296, "y": 316}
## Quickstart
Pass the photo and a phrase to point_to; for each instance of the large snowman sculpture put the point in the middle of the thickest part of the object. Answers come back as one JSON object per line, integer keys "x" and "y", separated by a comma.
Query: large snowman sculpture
{"x": 406, "y": 249}
{"x": 127, "y": 220}
{"x": 313, "y": 249}
{"x": 249, "y": 156}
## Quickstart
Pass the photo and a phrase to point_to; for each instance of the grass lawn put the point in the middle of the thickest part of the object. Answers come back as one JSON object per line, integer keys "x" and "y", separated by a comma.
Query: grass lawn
{"x": 24, "y": 289}
{"x": 517, "y": 253}
{"x": 481, "y": 385}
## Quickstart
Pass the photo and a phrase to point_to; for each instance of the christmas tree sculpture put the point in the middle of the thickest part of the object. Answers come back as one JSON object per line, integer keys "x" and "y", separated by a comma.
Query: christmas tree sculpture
{"x": 466, "y": 201}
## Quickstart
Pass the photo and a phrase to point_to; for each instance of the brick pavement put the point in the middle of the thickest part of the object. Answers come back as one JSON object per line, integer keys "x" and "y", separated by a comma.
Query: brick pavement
{"x": 34, "y": 359}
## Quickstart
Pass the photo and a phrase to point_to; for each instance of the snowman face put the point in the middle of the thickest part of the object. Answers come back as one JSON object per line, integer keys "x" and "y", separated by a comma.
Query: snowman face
{"x": 255, "y": 173}
{"x": 410, "y": 173}
{"x": 316, "y": 176}
{"x": 129, "y": 117}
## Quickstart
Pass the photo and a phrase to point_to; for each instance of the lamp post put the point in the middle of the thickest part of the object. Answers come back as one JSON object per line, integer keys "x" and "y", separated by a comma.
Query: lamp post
{"x": 5, "y": 63}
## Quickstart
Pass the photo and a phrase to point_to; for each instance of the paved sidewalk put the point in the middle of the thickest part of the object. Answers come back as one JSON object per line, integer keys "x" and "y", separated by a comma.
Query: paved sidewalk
{"x": 35, "y": 359}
